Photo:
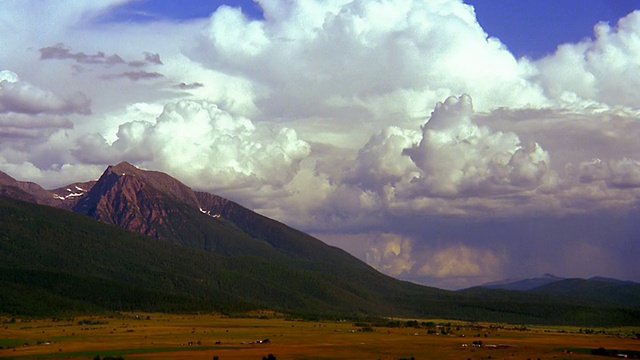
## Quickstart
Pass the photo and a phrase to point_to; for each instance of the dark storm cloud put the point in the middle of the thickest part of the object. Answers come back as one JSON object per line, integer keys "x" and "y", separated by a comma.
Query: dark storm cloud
{"x": 189, "y": 86}
{"x": 135, "y": 75}
{"x": 578, "y": 245}
{"x": 62, "y": 52}
{"x": 152, "y": 58}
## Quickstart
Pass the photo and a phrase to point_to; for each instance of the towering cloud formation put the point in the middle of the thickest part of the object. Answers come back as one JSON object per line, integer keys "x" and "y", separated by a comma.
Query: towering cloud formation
{"x": 457, "y": 156}
{"x": 451, "y": 158}
{"x": 314, "y": 58}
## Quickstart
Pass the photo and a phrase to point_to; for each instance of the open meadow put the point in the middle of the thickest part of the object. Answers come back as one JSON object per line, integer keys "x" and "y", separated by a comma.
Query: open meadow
{"x": 164, "y": 336}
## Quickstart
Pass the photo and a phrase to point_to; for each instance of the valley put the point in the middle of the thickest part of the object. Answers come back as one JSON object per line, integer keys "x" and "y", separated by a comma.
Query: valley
{"x": 207, "y": 336}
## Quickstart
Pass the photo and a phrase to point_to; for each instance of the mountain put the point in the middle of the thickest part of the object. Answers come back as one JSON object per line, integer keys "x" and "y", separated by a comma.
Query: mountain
{"x": 142, "y": 240}
{"x": 68, "y": 196}
{"x": 64, "y": 197}
{"x": 260, "y": 262}
{"x": 147, "y": 202}
{"x": 23, "y": 190}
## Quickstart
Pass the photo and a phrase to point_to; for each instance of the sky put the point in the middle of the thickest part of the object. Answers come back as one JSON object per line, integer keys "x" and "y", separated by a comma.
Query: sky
{"x": 443, "y": 142}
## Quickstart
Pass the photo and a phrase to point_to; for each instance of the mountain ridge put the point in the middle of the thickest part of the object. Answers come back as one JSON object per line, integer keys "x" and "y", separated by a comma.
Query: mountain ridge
{"x": 521, "y": 284}
{"x": 525, "y": 284}
{"x": 209, "y": 252}
{"x": 117, "y": 200}
{"x": 595, "y": 289}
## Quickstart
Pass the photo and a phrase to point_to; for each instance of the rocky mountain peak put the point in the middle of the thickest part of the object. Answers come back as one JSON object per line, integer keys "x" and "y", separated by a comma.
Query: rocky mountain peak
{"x": 139, "y": 200}
{"x": 124, "y": 167}
{"x": 162, "y": 182}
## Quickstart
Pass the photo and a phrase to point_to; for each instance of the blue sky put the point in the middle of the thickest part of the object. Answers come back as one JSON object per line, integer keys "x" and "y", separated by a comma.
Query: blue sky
{"x": 151, "y": 10}
{"x": 535, "y": 28}
{"x": 527, "y": 27}
{"x": 394, "y": 129}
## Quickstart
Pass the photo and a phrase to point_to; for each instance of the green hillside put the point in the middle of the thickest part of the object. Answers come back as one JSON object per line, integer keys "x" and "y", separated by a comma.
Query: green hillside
{"x": 55, "y": 262}
{"x": 68, "y": 255}
{"x": 539, "y": 308}
{"x": 597, "y": 291}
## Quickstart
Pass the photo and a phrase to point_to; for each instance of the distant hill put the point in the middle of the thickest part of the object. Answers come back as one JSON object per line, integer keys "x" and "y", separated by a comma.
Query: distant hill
{"x": 593, "y": 290}
{"x": 159, "y": 246}
{"x": 601, "y": 290}
{"x": 522, "y": 284}
{"x": 64, "y": 197}
{"x": 611, "y": 280}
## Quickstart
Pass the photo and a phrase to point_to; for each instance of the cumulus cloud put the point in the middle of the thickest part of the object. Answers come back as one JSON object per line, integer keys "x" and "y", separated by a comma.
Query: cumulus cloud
{"x": 626, "y": 173}
{"x": 382, "y": 59}
{"x": 623, "y": 173}
{"x": 457, "y": 156}
{"x": 598, "y": 69}
{"x": 381, "y": 161}
{"x": 17, "y": 96}
{"x": 199, "y": 141}
{"x": 452, "y": 157}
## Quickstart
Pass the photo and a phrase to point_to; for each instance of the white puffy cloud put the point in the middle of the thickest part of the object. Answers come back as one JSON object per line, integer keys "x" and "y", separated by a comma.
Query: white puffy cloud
{"x": 198, "y": 141}
{"x": 601, "y": 69}
{"x": 381, "y": 161}
{"x": 457, "y": 156}
{"x": 457, "y": 167}
{"x": 452, "y": 157}
{"x": 364, "y": 61}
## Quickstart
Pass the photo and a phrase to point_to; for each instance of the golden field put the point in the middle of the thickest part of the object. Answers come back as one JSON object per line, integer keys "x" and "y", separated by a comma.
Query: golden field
{"x": 165, "y": 336}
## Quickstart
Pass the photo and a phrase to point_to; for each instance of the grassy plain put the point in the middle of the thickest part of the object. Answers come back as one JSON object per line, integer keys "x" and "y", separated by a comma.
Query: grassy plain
{"x": 164, "y": 336}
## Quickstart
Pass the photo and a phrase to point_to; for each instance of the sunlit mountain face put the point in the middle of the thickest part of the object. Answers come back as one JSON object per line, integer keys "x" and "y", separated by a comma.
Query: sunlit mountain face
{"x": 446, "y": 143}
